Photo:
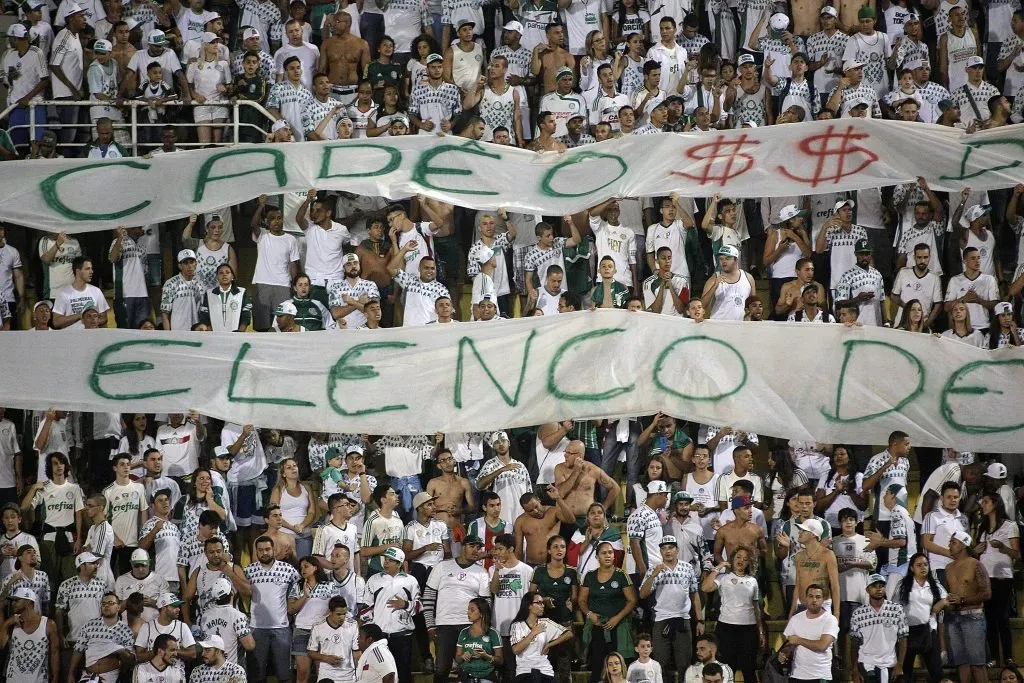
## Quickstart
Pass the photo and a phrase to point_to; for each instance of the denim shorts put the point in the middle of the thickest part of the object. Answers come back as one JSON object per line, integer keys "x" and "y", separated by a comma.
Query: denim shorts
{"x": 965, "y": 638}
{"x": 300, "y": 642}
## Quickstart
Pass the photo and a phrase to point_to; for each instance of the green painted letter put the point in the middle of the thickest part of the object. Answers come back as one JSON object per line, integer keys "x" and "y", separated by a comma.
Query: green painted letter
{"x": 873, "y": 351}
{"x": 571, "y": 344}
{"x": 1002, "y": 370}
{"x": 100, "y": 369}
{"x": 242, "y": 352}
{"x": 49, "y": 189}
{"x": 344, "y": 372}
{"x": 509, "y": 400}
{"x": 205, "y": 170}
{"x": 423, "y": 167}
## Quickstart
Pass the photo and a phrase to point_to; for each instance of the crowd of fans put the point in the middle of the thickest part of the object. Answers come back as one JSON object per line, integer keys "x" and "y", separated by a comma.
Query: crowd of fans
{"x": 161, "y": 547}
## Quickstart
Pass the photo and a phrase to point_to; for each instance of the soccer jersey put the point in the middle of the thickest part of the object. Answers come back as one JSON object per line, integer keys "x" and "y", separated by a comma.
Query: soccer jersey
{"x": 180, "y": 300}
{"x": 499, "y": 245}
{"x": 272, "y": 586}
{"x": 536, "y": 261}
{"x": 877, "y": 633}
{"x": 291, "y": 100}
{"x": 652, "y": 287}
{"x": 80, "y": 603}
{"x": 124, "y": 505}
{"x": 382, "y": 588}
{"x": 338, "y": 289}
{"x": 672, "y": 589}
{"x": 644, "y": 525}
{"x": 985, "y": 286}
{"x": 435, "y": 531}
{"x": 841, "y": 243}
{"x": 456, "y": 586}
{"x": 229, "y": 671}
{"x": 419, "y": 298}
{"x": 618, "y": 242}
{"x": 509, "y": 486}
{"x": 228, "y": 623}
{"x": 380, "y": 530}
{"x": 341, "y": 642}
{"x": 442, "y": 103}
{"x": 858, "y": 280}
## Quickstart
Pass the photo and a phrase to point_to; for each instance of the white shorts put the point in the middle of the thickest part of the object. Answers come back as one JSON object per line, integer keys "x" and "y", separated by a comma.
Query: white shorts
{"x": 208, "y": 112}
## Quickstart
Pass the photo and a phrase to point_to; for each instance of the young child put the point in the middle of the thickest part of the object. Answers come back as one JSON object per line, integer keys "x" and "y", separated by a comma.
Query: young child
{"x": 490, "y": 526}
{"x": 332, "y": 474}
{"x": 100, "y": 539}
{"x": 644, "y": 669}
{"x": 855, "y": 564}
{"x": 549, "y": 295}
{"x": 156, "y": 94}
{"x": 252, "y": 87}
{"x": 695, "y": 310}
{"x": 608, "y": 293}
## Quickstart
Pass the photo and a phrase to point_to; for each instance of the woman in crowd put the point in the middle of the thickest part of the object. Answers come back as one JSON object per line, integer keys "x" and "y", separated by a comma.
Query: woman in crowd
{"x": 311, "y": 315}
{"x": 532, "y": 637}
{"x": 210, "y": 80}
{"x": 227, "y": 307}
{"x": 584, "y": 543}
{"x": 614, "y": 669}
{"x": 386, "y": 112}
{"x": 416, "y": 68}
{"x": 841, "y": 488}
{"x": 633, "y": 71}
{"x": 202, "y": 497}
{"x": 913, "y": 317}
{"x": 310, "y": 608}
{"x": 607, "y": 598}
{"x": 138, "y": 437}
{"x": 923, "y": 598}
{"x": 298, "y": 506}
{"x": 628, "y": 16}
{"x": 997, "y": 549}
{"x": 656, "y": 470}
{"x": 784, "y": 476}
{"x": 960, "y": 328}
{"x": 596, "y": 54}
{"x": 211, "y": 251}
{"x": 1003, "y": 331}
{"x": 479, "y": 652}
{"x": 559, "y": 586}
{"x": 739, "y": 622}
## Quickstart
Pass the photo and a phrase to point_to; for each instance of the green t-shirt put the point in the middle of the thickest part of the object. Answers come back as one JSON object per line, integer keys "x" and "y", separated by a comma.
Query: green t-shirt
{"x": 608, "y": 598}
{"x": 619, "y": 294}
{"x": 389, "y": 74}
{"x": 560, "y": 589}
{"x": 478, "y": 667}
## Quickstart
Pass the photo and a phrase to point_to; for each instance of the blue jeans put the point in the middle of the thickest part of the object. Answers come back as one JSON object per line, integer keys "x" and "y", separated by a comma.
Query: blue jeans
{"x": 371, "y": 28}
{"x": 20, "y": 117}
{"x": 130, "y": 311}
{"x": 406, "y": 488}
{"x": 271, "y": 642}
{"x": 613, "y": 448}
{"x": 965, "y": 635}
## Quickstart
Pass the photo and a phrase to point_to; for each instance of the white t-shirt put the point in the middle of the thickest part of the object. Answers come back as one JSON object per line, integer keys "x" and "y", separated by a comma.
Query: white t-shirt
{"x": 997, "y": 563}
{"x": 271, "y": 588}
{"x": 853, "y": 583}
{"x": 180, "y": 448}
{"x": 808, "y": 664}
{"x": 341, "y": 642}
{"x": 376, "y": 663}
{"x": 324, "y": 251}
{"x": 71, "y": 301}
{"x": 740, "y": 598}
{"x": 456, "y": 586}
{"x": 985, "y": 286}
{"x": 165, "y": 547}
{"x": 942, "y": 525}
{"x": 513, "y": 584}
{"x": 908, "y": 286}
{"x": 67, "y": 54}
{"x": 274, "y": 255}
{"x": 533, "y": 656}
{"x": 616, "y": 241}
{"x": 30, "y": 67}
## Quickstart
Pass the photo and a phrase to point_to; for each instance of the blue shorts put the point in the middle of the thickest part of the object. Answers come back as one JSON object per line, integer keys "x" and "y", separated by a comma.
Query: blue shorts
{"x": 965, "y": 638}
{"x": 300, "y": 642}
{"x": 246, "y": 508}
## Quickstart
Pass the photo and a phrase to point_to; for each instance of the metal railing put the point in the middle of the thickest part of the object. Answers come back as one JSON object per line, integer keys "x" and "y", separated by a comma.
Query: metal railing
{"x": 127, "y": 132}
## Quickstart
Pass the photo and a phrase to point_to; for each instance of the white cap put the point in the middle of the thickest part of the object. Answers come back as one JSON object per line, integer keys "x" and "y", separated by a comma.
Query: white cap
{"x": 85, "y": 558}
{"x": 157, "y": 37}
{"x": 250, "y": 33}
{"x": 779, "y": 21}
{"x": 996, "y": 470}
{"x": 514, "y": 26}
{"x": 829, "y": 10}
{"x": 1003, "y": 307}
{"x": 843, "y": 202}
{"x": 498, "y": 436}
{"x": 350, "y": 258}
{"x": 353, "y": 448}
{"x": 789, "y": 211}
{"x": 167, "y": 600}
{"x": 812, "y": 526}
{"x": 221, "y": 452}
{"x": 974, "y": 60}
{"x": 961, "y": 536}
{"x": 280, "y": 124}
{"x": 102, "y": 47}
{"x": 286, "y": 308}
{"x": 745, "y": 59}
{"x": 395, "y": 554}
{"x": 973, "y": 213}
{"x": 208, "y": 37}
{"x": 220, "y": 588}
{"x": 22, "y": 593}
{"x": 74, "y": 8}
{"x": 185, "y": 255}
{"x": 17, "y": 31}
{"x": 140, "y": 556}
{"x": 131, "y": 23}
{"x": 728, "y": 250}
{"x": 851, "y": 64}
{"x": 668, "y": 540}
{"x": 213, "y": 642}
{"x": 657, "y": 486}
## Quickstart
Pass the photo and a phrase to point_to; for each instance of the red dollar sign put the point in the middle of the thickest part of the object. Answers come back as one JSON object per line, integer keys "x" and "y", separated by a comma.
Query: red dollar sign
{"x": 723, "y": 159}
{"x": 821, "y": 147}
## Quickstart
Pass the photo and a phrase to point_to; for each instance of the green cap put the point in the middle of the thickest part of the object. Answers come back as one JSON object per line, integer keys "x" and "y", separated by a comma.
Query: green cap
{"x": 866, "y": 12}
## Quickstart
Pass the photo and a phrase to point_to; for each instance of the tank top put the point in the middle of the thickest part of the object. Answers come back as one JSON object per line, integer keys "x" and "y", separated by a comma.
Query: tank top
{"x": 547, "y": 459}
{"x": 730, "y": 299}
{"x": 785, "y": 265}
{"x": 705, "y": 495}
{"x": 497, "y": 110}
{"x": 466, "y": 66}
{"x": 294, "y": 508}
{"x": 959, "y": 51}
{"x": 207, "y": 263}
{"x": 985, "y": 248}
{"x": 30, "y": 654}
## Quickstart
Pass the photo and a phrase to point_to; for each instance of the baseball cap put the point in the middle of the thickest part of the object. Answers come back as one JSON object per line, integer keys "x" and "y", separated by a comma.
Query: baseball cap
{"x": 811, "y": 526}
{"x": 866, "y": 12}
{"x": 350, "y": 258}
{"x": 996, "y": 470}
{"x": 353, "y": 448}
{"x": 745, "y": 59}
{"x": 220, "y": 588}
{"x": 213, "y": 642}
{"x": 790, "y": 211}
{"x": 42, "y": 302}
{"x": 779, "y": 21}
{"x": 973, "y": 61}
{"x": 280, "y": 124}
{"x": 221, "y": 452}
{"x": 912, "y": 17}
{"x": 22, "y": 593}
{"x": 130, "y": 22}
{"x": 35, "y": 4}
{"x": 332, "y": 453}
{"x": 682, "y": 495}
{"x": 945, "y": 105}
{"x": 250, "y": 33}
{"x": 852, "y": 64}
{"x": 434, "y": 57}
{"x": 102, "y": 47}
{"x": 875, "y": 578}
{"x": 961, "y": 536}
{"x": 465, "y": 22}
{"x": 209, "y": 37}
{"x": 400, "y": 118}
{"x": 974, "y": 213}
{"x": 896, "y": 490}
{"x": 185, "y": 255}
{"x": 85, "y": 558}
{"x": 740, "y": 502}
{"x": 514, "y": 26}
{"x": 581, "y": 115}
{"x": 862, "y": 247}
{"x": 498, "y": 436}
{"x": 668, "y": 540}
{"x": 17, "y": 31}
{"x": 1003, "y": 307}
{"x": 286, "y": 308}
{"x": 140, "y": 556}
{"x": 485, "y": 255}
{"x": 472, "y": 540}
{"x": 728, "y": 250}
{"x": 657, "y": 486}
{"x": 157, "y": 37}
{"x": 563, "y": 71}
{"x": 829, "y": 10}
{"x": 799, "y": 55}
{"x": 74, "y": 8}
{"x": 843, "y": 202}
{"x": 675, "y": 98}
{"x": 395, "y": 554}
{"x": 167, "y": 600}
{"x": 421, "y": 498}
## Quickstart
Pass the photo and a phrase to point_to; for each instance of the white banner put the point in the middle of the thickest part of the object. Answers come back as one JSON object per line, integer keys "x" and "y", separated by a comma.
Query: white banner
{"x": 826, "y": 383}
{"x": 79, "y": 195}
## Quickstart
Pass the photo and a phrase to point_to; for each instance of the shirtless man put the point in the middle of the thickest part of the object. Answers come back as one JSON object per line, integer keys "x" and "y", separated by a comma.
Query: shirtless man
{"x": 344, "y": 58}
{"x": 805, "y": 17}
{"x": 548, "y": 57}
{"x": 453, "y": 493}
{"x": 575, "y": 479}
{"x": 284, "y": 542}
{"x": 537, "y": 524}
{"x": 969, "y": 589}
{"x": 790, "y": 300}
{"x": 848, "y": 10}
{"x": 815, "y": 564}
{"x": 545, "y": 141}
{"x": 740, "y": 531}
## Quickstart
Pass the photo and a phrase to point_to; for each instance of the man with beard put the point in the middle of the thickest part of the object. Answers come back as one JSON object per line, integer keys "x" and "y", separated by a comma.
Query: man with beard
{"x": 863, "y": 286}
{"x": 453, "y": 494}
{"x": 725, "y": 293}
{"x": 505, "y": 476}
{"x": 349, "y": 296}
{"x": 32, "y": 637}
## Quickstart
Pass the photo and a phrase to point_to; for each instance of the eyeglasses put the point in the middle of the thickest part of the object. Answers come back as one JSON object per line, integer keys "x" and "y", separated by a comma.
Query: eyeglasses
{"x": 110, "y": 603}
